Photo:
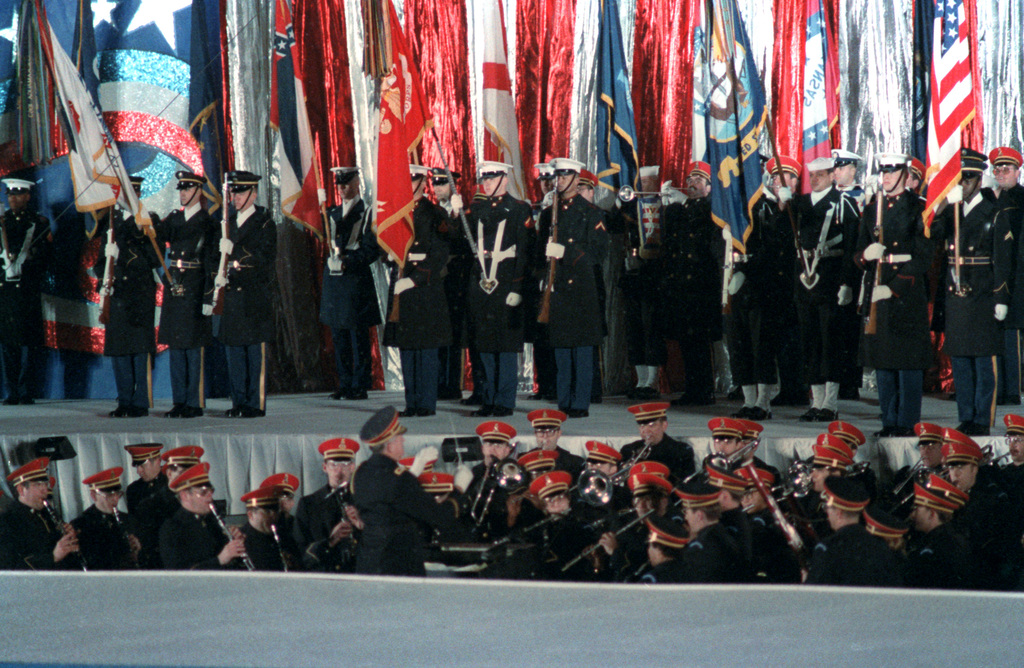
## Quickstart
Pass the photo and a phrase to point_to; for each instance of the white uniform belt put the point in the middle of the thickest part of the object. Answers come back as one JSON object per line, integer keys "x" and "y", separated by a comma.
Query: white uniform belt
{"x": 968, "y": 261}
{"x": 896, "y": 258}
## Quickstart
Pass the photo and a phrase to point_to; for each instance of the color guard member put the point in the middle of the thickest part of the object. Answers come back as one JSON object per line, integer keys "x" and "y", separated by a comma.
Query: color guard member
{"x": 1009, "y": 195}
{"x": 249, "y": 253}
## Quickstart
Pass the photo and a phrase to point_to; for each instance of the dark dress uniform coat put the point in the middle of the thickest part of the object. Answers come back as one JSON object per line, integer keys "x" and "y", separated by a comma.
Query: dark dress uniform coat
{"x": 265, "y": 552}
{"x": 575, "y": 313}
{"x": 1013, "y": 199}
{"x": 131, "y": 328}
{"x": 691, "y": 274}
{"x": 495, "y": 327}
{"x": 987, "y": 241}
{"x": 839, "y": 211}
{"x": 676, "y": 455}
{"x": 248, "y": 316}
{"x": 102, "y": 542}
{"x": 349, "y": 299}
{"x": 315, "y": 517}
{"x": 191, "y": 262}
{"x": 392, "y": 503}
{"x": 422, "y": 310}
{"x": 774, "y": 560}
{"x": 192, "y": 542}
{"x": 27, "y": 539}
{"x": 941, "y": 559}
{"x": 21, "y": 309}
{"x": 902, "y": 339}
{"x": 853, "y": 557}
{"x": 715, "y": 556}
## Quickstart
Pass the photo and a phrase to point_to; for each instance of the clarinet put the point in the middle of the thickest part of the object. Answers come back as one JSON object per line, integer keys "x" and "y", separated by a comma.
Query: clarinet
{"x": 64, "y": 528}
{"x": 224, "y": 527}
{"x": 124, "y": 536}
{"x": 280, "y": 550}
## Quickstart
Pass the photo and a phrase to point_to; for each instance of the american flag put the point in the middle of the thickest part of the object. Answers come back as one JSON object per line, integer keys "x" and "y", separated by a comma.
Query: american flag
{"x": 951, "y": 103}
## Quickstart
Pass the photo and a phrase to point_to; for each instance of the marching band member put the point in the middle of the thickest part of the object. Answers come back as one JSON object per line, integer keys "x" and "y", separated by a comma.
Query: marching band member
{"x": 106, "y": 536}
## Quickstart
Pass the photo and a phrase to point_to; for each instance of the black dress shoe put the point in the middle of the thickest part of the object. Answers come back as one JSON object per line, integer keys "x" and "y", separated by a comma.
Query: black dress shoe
{"x": 744, "y": 413}
{"x": 578, "y": 413}
{"x": 810, "y": 416}
{"x": 472, "y": 400}
{"x": 28, "y": 401}
{"x": 177, "y": 411}
{"x": 249, "y": 412}
{"x": 758, "y": 414}
{"x": 357, "y": 395}
{"x": 826, "y": 415}
{"x": 537, "y": 396}
{"x": 501, "y": 411}
{"x": 646, "y": 393}
{"x": 849, "y": 394}
{"x": 12, "y": 401}
{"x": 339, "y": 394}
{"x": 885, "y": 432}
{"x": 965, "y": 428}
{"x": 135, "y": 412}
{"x": 423, "y": 412}
{"x": 409, "y": 412}
{"x": 485, "y": 411}
{"x": 233, "y": 412}
{"x": 902, "y": 432}
{"x": 1012, "y": 400}
{"x": 192, "y": 412}
{"x": 448, "y": 395}
{"x": 978, "y": 429}
{"x": 119, "y": 412}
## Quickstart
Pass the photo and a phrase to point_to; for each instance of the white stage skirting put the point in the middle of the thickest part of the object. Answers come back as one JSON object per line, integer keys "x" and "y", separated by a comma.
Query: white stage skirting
{"x": 243, "y": 452}
{"x": 192, "y": 619}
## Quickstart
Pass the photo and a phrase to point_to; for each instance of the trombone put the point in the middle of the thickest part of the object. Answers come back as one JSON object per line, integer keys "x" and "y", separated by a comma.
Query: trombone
{"x": 507, "y": 474}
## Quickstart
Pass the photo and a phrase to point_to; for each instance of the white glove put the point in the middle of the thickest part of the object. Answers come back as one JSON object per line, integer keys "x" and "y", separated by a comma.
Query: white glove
{"x": 548, "y": 200}
{"x": 334, "y": 263}
{"x": 1001, "y": 310}
{"x": 513, "y": 299}
{"x": 463, "y": 478}
{"x": 881, "y": 292}
{"x": 422, "y": 458}
{"x": 403, "y": 284}
{"x": 845, "y": 295}
{"x": 670, "y": 195}
{"x": 220, "y": 281}
{"x": 554, "y": 250}
{"x": 873, "y": 252}
{"x": 871, "y": 182}
{"x": 736, "y": 282}
{"x": 226, "y": 246}
{"x": 956, "y": 195}
{"x": 456, "y": 204}
{"x": 988, "y": 181}
{"x": 321, "y": 195}
{"x": 110, "y": 250}
{"x": 785, "y": 194}
{"x": 207, "y": 309}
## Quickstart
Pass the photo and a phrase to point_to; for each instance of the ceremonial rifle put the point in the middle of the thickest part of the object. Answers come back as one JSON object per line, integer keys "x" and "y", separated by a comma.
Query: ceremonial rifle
{"x": 545, "y": 304}
{"x": 871, "y": 326}
{"x": 222, "y": 270}
{"x": 108, "y": 273}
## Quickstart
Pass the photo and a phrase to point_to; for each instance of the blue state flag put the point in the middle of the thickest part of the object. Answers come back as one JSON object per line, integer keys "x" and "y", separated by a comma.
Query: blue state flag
{"x": 616, "y": 128}
{"x": 735, "y": 117}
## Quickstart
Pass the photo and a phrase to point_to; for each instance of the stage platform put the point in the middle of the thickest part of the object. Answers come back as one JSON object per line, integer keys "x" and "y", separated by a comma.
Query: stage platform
{"x": 244, "y": 451}
{"x": 241, "y": 619}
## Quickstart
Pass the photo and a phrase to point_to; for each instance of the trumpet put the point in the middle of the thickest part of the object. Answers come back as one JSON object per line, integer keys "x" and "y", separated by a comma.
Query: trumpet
{"x": 224, "y": 527}
{"x": 919, "y": 474}
{"x": 64, "y": 529}
{"x": 627, "y": 194}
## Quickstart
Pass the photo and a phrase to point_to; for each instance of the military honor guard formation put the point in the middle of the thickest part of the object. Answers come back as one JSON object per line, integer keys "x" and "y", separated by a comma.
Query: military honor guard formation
{"x": 647, "y": 512}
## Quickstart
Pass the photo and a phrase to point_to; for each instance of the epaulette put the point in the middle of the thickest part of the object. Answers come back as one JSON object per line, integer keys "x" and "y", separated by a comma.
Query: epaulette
{"x": 399, "y": 470}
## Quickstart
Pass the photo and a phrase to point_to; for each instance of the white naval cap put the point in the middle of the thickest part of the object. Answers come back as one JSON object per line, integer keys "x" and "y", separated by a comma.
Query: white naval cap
{"x": 345, "y": 170}
{"x": 18, "y": 184}
{"x": 650, "y": 170}
{"x": 419, "y": 170}
{"x": 842, "y": 157}
{"x": 486, "y": 168}
{"x": 891, "y": 159}
{"x": 820, "y": 164}
{"x": 544, "y": 170}
{"x": 566, "y": 165}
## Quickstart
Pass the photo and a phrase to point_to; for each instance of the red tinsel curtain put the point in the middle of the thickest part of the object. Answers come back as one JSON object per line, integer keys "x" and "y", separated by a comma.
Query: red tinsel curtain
{"x": 788, "y": 77}
{"x": 320, "y": 32}
{"x": 436, "y": 32}
{"x": 544, "y": 62}
{"x": 663, "y": 84}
